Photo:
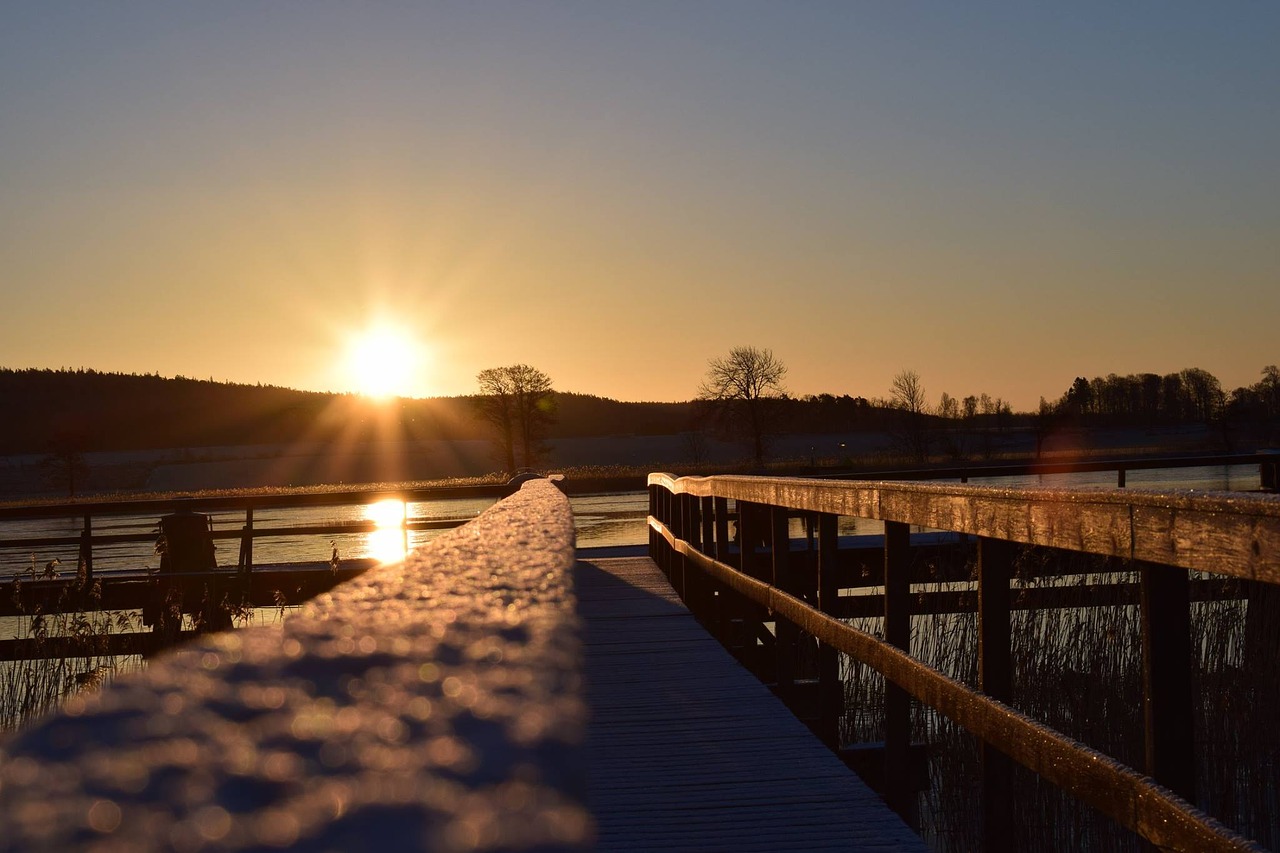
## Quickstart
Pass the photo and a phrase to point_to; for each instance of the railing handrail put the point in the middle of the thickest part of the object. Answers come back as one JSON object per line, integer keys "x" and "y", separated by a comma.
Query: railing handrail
{"x": 1225, "y": 533}
{"x": 1130, "y": 797}
{"x": 397, "y": 707}
{"x": 1230, "y": 534}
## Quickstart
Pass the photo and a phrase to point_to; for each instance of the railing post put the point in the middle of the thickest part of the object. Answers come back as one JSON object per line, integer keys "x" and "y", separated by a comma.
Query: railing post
{"x": 995, "y": 678}
{"x": 86, "y": 551}
{"x": 707, "y": 513}
{"x": 694, "y": 579}
{"x": 678, "y": 506}
{"x": 246, "y": 542}
{"x": 1166, "y": 677}
{"x": 653, "y": 534}
{"x": 725, "y": 604}
{"x": 722, "y": 529}
{"x": 753, "y": 615}
{"x": 830, "y": 690}
{"x": 668, "y": 519}
{"x": 785, "y": 632}
{"x": 897, "y": 703}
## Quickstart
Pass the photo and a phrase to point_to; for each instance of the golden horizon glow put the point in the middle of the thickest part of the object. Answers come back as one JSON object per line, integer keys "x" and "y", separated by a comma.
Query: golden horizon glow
{"x": 386, "y": 542}
{"x": 383, "y": 361}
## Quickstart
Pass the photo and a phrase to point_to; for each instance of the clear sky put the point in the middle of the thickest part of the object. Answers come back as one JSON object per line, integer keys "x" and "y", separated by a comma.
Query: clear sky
{"x": 997, "y": 196}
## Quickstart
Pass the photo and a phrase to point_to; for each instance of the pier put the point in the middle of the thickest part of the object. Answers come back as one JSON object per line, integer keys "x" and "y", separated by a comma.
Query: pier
{"x": 498, "y": 689}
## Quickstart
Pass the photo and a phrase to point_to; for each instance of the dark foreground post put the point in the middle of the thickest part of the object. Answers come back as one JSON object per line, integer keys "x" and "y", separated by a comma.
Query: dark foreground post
{"x": 86, "y": 551}
{"x": 830, "y": 690}
{"x": 897, "y": 703}
{"x": 1166, "y": 677}
{"x": 995, "y": 678}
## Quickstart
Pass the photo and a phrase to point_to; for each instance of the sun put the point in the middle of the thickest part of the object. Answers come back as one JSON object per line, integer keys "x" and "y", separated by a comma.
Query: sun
{"x": 384, "y": 361}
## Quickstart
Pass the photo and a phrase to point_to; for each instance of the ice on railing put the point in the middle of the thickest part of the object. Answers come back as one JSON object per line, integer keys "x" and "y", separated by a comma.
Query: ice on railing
{"x": 432, "y": 705}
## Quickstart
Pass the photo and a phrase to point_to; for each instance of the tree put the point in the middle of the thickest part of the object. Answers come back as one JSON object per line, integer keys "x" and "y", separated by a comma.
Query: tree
{"x": 519, "y": 403}
{"x": 535, "y": 410}
{"x": 497, "y": 405}
{"x": 948, "y": 407}
{"x": 743, "y": 389}
{"x": 907, "y": 395}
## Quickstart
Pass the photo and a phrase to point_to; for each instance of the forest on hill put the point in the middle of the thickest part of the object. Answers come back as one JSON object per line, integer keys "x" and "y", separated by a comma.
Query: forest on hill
{"x": 89, "y": 410}
{"x": 111, "y": 411}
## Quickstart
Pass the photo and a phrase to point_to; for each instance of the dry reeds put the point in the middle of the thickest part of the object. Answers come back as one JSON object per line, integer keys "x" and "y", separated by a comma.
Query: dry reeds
{"x": 1078, "y": 669}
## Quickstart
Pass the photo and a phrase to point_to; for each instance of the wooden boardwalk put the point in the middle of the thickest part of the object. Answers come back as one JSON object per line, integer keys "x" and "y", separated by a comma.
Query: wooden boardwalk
{"x": 686, "y": 750}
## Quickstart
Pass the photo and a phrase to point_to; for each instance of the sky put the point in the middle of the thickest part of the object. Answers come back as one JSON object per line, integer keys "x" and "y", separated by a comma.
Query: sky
{"x": 999, "y": 196}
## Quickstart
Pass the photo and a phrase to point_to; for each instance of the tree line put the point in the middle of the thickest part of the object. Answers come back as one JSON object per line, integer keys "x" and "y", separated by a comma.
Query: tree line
{"x": 1189, "y": 396}
{"x": 743, "y": 396}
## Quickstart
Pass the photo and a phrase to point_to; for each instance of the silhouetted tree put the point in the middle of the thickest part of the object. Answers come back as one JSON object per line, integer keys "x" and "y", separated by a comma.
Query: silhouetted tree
{"x": 907, "y": 395}
{"x": 520, "y": 404}
{"x": 535, "y": 410}
{"x": 497, "y": 405}
{"x": 742, "y": 390}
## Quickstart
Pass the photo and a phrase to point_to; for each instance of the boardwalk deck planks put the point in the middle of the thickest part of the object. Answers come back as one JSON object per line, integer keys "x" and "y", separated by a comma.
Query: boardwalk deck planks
{"x": 686, "y": 750}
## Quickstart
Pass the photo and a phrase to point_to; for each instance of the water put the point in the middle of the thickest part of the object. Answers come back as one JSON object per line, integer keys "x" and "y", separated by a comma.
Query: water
{"x": 602, "y": 520}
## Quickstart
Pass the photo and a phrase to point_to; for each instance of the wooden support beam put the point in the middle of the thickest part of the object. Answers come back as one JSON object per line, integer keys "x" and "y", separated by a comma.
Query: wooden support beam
{"x": 995, "y": 679}
{"x": 830, "y": 689}
{"x": 1166, "y": 677}
{"x": 897, "y": 703}
{"x": 785, "y": 632}
{"x": 86, "y": 550}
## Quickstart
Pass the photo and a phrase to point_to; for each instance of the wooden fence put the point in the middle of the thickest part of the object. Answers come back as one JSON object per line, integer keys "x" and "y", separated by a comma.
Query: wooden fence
{"x": 78, "y": 585}
{"x": 734, "y": 580}
{"x": 1266, "y": 463}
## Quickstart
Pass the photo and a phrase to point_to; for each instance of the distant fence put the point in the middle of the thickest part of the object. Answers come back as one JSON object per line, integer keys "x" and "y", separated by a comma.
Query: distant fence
{"x": 722, "y": 573}
{"x": 1266, "y": 463}
{"x": 205, "y": 592}
{"x": 433, "y": 704}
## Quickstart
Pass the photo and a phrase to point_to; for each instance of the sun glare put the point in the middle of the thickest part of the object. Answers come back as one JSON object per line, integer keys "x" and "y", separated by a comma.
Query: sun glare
{"x": 386, "y": 541}
{"x": 385, "y": 362}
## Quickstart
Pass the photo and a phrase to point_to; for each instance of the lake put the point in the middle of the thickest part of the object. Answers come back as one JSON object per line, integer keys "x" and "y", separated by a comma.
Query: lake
{"x": 602, "y": 520}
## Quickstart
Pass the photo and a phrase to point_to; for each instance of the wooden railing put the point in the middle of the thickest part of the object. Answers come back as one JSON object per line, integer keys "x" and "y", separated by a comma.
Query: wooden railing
{"x": 432, "y": 704}
{"x": 88, "y": 510}
{"x": 1161, "y": 536}
{"x": 248, "y": 582}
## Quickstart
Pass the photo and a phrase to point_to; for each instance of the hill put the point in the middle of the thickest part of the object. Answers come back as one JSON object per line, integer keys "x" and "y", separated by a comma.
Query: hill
{"x": 95, "y": 411}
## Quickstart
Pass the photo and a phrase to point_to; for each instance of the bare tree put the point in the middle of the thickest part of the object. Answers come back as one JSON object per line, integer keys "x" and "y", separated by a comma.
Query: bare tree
{"x": 743, "y": 389}
{"x": 907, "y": 395}
{"x": 519, "y": 403}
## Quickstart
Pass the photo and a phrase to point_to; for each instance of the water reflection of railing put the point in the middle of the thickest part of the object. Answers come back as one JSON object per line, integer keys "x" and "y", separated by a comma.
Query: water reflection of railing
{"x": 737, "y": 588}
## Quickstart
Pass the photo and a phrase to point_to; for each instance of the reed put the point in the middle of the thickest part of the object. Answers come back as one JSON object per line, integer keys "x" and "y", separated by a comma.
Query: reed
{"x": 1079, "y": 671}
{"x": 31, "y": 688}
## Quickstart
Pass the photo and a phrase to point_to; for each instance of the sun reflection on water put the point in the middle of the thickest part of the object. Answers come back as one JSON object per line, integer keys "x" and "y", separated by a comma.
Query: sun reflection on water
{"x": 386, "y": 543}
